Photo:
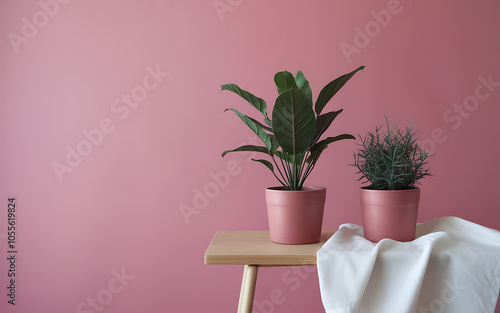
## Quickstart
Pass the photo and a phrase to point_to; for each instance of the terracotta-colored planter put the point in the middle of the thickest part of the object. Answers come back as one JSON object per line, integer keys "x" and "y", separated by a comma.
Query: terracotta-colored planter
{"x": 389, "y": 213}
{"x": 295, "y": 217}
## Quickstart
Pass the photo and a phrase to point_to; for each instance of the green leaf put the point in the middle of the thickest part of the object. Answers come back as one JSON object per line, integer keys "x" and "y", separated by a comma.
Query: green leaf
{"x": 284, "y": 81}
{"x": 274, "y": 144}
{"x": 294, "y": 122}
{"x": 302, "y": 83}
{"x": 284, "y": 156}
{"x": 324, "y": 143}
{"x": 256, "y": 102}
{"x": 331, "y": 89}
{"x": 256, "y": 128}
{"x": 269, "y": 129}
{"x": 268, "y": 164}
{"x": 247, "y": 148}
{"x": 323, "y": 122}
{"x": 314, "y": 156}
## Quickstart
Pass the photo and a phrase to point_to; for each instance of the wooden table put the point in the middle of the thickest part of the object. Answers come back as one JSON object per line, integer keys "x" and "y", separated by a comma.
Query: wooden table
{"x": 253, "y": 249}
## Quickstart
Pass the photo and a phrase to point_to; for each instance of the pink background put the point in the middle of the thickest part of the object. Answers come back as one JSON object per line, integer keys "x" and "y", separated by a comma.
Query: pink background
{"x": 116, "y": 212}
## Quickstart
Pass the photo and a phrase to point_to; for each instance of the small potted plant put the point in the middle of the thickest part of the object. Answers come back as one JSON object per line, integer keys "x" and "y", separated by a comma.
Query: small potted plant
{"x": 292, "y": 146}
{"x": 393, "y": 163}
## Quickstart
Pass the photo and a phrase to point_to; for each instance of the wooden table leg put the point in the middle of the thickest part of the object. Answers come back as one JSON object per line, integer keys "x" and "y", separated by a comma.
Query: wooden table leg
{"x": 247, "y": 289}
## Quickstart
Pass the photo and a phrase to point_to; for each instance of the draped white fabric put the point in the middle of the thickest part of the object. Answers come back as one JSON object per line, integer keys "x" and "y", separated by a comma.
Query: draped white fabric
{"x": 453, "y": 266}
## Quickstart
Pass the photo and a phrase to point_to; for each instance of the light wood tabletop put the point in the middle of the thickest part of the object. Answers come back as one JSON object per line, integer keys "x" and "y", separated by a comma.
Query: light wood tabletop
{"x": 255, "y": 249}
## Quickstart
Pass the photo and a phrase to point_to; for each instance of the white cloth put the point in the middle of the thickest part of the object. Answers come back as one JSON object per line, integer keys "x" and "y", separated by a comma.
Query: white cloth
{"x": 453, "y": 266}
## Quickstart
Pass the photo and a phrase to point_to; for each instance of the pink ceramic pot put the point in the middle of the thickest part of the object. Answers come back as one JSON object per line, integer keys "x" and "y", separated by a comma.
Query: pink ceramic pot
{"x": 389, "y": 213}
{"x": 295, "y": 217}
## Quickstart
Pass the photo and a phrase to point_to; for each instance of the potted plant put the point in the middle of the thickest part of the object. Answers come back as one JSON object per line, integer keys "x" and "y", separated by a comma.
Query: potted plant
{"x": 393, "y": 163}
{"x": 292, "y": 145}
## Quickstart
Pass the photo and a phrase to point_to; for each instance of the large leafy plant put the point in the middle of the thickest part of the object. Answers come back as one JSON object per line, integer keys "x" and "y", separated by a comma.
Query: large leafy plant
{"x": 291, "y": 137}
{"x": 391, "y": 160}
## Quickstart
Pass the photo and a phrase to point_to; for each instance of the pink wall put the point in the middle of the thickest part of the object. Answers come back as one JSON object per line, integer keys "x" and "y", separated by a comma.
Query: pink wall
{"x": 107, "y": 223}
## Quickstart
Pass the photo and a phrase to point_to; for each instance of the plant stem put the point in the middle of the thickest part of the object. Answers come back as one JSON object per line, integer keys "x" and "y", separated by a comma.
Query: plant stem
{"x": 294, "y": 172}
{"x": 286, "y": 169}
{"x": 279, "y": 170}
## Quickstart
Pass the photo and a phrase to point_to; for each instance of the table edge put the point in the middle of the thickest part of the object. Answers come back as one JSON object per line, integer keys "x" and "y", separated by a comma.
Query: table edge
{"x": 265, "y": 260}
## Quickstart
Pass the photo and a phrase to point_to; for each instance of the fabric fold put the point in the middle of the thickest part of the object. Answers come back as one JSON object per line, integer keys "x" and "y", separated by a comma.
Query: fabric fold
{"x": 452, "y": 266}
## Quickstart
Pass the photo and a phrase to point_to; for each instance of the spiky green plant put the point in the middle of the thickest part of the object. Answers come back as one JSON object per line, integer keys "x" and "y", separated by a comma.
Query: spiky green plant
{"x": 391, "y": 160}
{"x": 292, "y": 137}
